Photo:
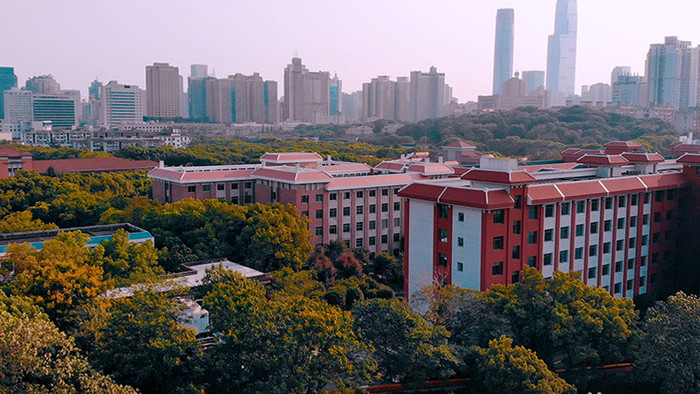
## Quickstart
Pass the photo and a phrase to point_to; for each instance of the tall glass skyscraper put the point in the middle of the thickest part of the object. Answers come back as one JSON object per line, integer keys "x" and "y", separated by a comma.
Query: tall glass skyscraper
{"x": 8, "y": 80}
{"x": 668, "y": 72}
{"x": 561, "y": 49}
{"x": 503, "y": 54}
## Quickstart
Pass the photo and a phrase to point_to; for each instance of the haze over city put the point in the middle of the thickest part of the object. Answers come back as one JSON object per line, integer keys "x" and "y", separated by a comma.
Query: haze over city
{"x": 359, "y": 40}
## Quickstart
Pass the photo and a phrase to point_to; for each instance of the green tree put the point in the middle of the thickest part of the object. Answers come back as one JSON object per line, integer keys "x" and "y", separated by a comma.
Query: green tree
{"x": 504, "y": 368}
{"x": 143, "y": 344}
{"x": 407, "y": 348}
{"x": 17, "y": 222}
{"x": 127, "y": 262}
{"x": 669, "y": 347}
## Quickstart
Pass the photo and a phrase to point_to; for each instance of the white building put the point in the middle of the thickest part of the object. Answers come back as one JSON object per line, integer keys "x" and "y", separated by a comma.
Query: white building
{"x": 121, "y": 103}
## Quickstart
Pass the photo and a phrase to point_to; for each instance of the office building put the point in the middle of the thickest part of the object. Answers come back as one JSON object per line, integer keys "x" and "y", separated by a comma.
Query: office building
{"x": 503, "y": 53}
{"x": 121, "y": 104}
{"x": 240, "y": 99}
{"x": 599, "y": 93}
{"x": 17, "y": 106}
{"x": 61, "y": 109}
{"x": 379, "y": 99}
{"x": 612, "y": 216}
{"x": 668, "y": 74}
{"x": 163, "y": 91}
{"x": 199, "y": 71}
{"x": 427, "y": 95}
{"x": 534, "y": 79}
{"x": 197, "y": 97}
{"x": 514, "y": 94}
{"x": 8, "y": 80}
{"x": 43, "y": 84}
{"x": 629, "y": 90}
{"x": 305, "y": 93}
{"x": 352, "y": 106}
{"x": 561, "y": 50}
{"x": 270, "y": 102}
{"x": 619, "y": 71}
{"x": 336, "y": 95}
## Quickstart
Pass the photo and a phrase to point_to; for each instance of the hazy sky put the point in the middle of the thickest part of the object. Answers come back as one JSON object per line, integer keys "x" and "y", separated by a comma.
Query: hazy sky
{"x": 78, "y": 40}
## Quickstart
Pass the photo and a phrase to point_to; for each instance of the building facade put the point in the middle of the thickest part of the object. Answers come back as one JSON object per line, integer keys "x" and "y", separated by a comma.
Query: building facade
{"x": 8, "y": 80}
{"x": 43, "y": 84}
{"x": 61, "y": 109}
{"x": 305, "y": 93}
{"x": 163, "y": 91}
{"x": 668, "y": 73}
{"x": 121, "y": 104}
{"x": 503, "y": 53}
{"x": 561, "y": 50}
{"x": 427, "y": 95}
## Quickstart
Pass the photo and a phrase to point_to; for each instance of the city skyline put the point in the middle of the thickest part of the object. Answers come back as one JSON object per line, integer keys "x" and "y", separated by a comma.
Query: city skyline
{"x": 457, "y": 38}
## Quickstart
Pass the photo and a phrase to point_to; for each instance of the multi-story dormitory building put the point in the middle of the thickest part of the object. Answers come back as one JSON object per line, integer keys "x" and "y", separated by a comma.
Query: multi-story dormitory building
{"x": 344, "y": 201}
{"x": 614, "y": 215}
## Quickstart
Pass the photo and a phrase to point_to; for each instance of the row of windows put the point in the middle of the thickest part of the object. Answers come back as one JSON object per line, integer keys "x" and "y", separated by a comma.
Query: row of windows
{"x": 498, "y": 241}
{"x": 358, "y": 242}
{"x": 219, "y": 187}
{"x": 346, "y": 195}
{"x": 359, "y": 226}
{"x": 564, "y": 258}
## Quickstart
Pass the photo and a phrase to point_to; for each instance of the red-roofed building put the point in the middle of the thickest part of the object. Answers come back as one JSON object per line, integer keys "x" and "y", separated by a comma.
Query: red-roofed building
{"x": 617, "y": 147}
{"x": 93, "y": 165}
{"x": 461, "y": 152}
{"x": 12, "y": 161}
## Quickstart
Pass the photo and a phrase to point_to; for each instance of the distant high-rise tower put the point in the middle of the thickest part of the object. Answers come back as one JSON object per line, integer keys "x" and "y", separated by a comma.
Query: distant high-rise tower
{"x": 198, "y": 71}
{"x": 305, "y": 93}
{"x": 121, "y": 104}
{"x": 533, "y": 79}
{"x": 668, "y": 73}
{"x": 162, "y": 91}
{"x": 618, "y": 71}
{"x": 336, "y": 95}
{"x": 43, "y": 84}
{"x": 561, "y": 50}
{"x": 8, "y": 80}
{"x": 427, "y": 94}
{"x": 503, "y": 54}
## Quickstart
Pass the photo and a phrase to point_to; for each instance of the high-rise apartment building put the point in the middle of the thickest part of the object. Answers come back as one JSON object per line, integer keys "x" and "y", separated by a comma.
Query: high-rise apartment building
{"x": 427, "y": 94}
{"x": 379, "y": 99}
{"x": 17, "y": 106}
{"x": 61, "y": 109}
{"x": 270, "y": 102}
{"x": 120, "y": 104}
{"x": 629, "y": 90}
{"x": 336, "y": 95}
{"x": 162, "y": 91}
{"x": 199, "y": 71}
{"x": 534, "y": 79}
{"x": 8, "y": 80}
{"x": 598, "y": 93}
{"x": 668, "y": 73}
{"x": 561, "y": 49}
{"x": 43, "y": 84}
{"x": 305, "y": 93}
{"x": 503, "y": 53}
{"x": 352, "y": 106}
{"x": 239, "y": 99}
{"x": 618, "y": 71}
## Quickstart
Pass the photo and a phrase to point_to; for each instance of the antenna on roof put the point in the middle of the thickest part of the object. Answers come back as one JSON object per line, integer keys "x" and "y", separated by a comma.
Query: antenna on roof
{"x": 296, "y": 53}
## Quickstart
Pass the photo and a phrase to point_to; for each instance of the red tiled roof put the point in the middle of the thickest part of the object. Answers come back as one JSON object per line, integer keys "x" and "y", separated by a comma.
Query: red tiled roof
{"x": 609, "y": 160}
{"x": 623, "y": 144}
{"x": 357, "y": 182}
{"x": 664, "y": 181}
{"x": 553, "y": 166}
{"x": 624, "y": 185}
{"x": 463, "y": 196}
{"x": 431, "y": 169}
{"x": 347, "y": 167}
{"x": 689, "y": 158}
{"x": 505, "y": 177}
{"x": 636, "y": 157}
{"x": 9, "y": 152}
{"x": 291, "y": 157}
{"x": 460, "y": 144}
{"x": 291, "y": 175}
{"x": 107, "y": 164}
{"x": 391, "y": 165}
{"x": 199, "y": 176}
{"x": 543, "y": 194}
{"x": 580, "y": 190}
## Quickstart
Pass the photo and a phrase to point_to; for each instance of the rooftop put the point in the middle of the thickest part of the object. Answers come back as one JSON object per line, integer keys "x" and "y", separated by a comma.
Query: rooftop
{"x": 107, "y": 164}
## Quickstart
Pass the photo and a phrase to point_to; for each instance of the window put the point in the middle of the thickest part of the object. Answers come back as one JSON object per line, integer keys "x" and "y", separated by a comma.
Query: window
{"x": 319, "y": 197}
{"x": 305, "y": 213}
{"x": 247, "y": 198}
{"x": 645, "y": 220}
{"x": 358, "y": 242}
{"x": 191, "y": 189}
{"x": 346, "y": 227}
{"x": 517, "y": 202}
{"x": 606, "y": 269}
{"x": 578, "y": 253}
{"x": 460, "y": 267}
{"x": 359, "y": 209}
{"x": 532, "y": 213}
{"x": 372, "y": 208}
{"x": 633, "y": 199}
{"x": 593, "y": 250}
{"x": 670, "y": 195}
{"x": 460, "y": 241}
{"x": 669, "y": 215}
{"x": 247, "y": 185}
{"x": 319, "y": 214}
{"x": 579, "y": 230}
{"x": 397, "y": 237}
{"x": 385, "y": 223}
{"x": 206, "y": 188}
{"x": 333, "y": 196}
{"x": 630, "y": 284}
{"x": 548, "y": 211}
{"x": 621, "y": 201}
{"x": 642, "y": 281}
{"x": 633, "y": 221}
{"x": 319, "y": 231}
{"x": 333, "y": 212}
{"x": 397, "y": 206}
{"x": 359, "y": 226}
{"x": 220, "y": 187}
{"x": 608, "y": 203}
{"x": 632, "y": 243}
{"x": 397, "y": 222}
{"x": 594, "y": 228}
{"x": 460, "y": 217}
{"x": 565, "y": 207}
{"x": 668, "y": 235}
{"x": 606, "y": 248}
{"x": 547, "y": 260}
{"x": 373, "y": 193}
{"x": 497, "y": 269}
{"x": 620, "y": 223}
{"x": 619, "y": 245}
{"x": 442, "y": 260}
{"x": 385, "y": 208}
{"x": 532, "y": 237}
{"x": 346, "y": 211}
{"x": 564, "y": 256}
{"x": 234, "y": 200}
{"x": 646, "y": 198}
{"x": 360, "y": 194}
{"x": 515, "y": 277}
{"x": 580, "y": 206}
{"x": 659, "y": 196}
{"x": 234, "y": 186}
{"x": 497, "y": 243}
{"x": 655, "y": 237}
{"x": 346, "y": 196}
{"x": 591, "y": 273}
{"x": 645, "y": 240}
{"x": 655, "y": 258}
{"x": 564, "y": 233}
{"x": 442, "y": 235}
{"x": 657, "y": 217}
{"x": 618, "y": 266}
{"x": 385, "y": 238}
{"x": 618, "y": 287}
{"x": 532, "y": 261}
{"x": 548, "y": 234}
{"x": 516, "y": 252}
{"x": 385, "y": 192}
{"x": 304, "y": 198}
{"x": 333, "y": 229}
{"x": 372, "y": 241}
{"x": 630, "y": 264}
{"x": 498, "y": 216}
{"x": 516, "y": 227}
{"x": 595, "y": 205}
{"x": 607, "y": 225}
{"x": 372, "y": 224}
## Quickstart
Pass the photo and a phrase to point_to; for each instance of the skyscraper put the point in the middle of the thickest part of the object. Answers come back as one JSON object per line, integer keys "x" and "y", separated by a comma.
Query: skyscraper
{"x": 533, "y": 79}
{"x": 8, "y": 80}
{"x": 43, "y": 84}
{"x": 336, "y": 95}
{"x": 618, "y": 71}
{"x": 668, "y": 73}
{"x": 162, "y": 91}
{"x": 561, "y": 50}
{"x": 379, "y": 99}
{"x": 427, "y": 94}
{"x": 503, "y": 54}
{"x": 305, "y": 93}
{"x": 121, "y": 104}
{"x": 270, "y": 99}
{"x": 62, "y": 109}
{"x": 198, "y": 71}
{"x": 18, "y": 106}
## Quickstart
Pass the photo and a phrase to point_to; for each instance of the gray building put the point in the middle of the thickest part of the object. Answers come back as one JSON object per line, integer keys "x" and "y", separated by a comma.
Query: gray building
{"x": 306, "y": 93}
{"x": 561, "y": 49}
{"x": 163, "y": 91}
{"x": 43, "y": 84}
{"x": 629, "y": 90}
{"x": 427, "y": 94}
{"x": 534, "y": 79}
{"x": 503, "y": 53}
{"x": 61, "y": 109}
